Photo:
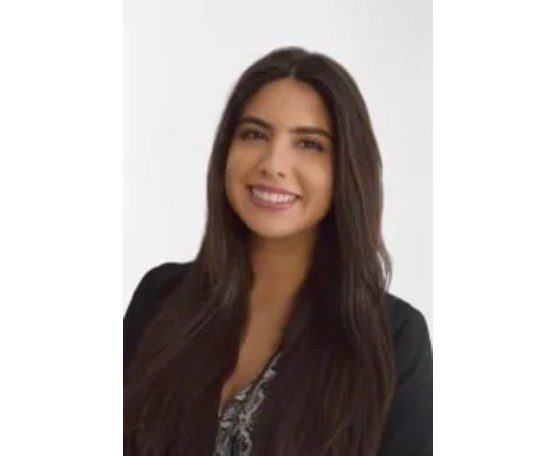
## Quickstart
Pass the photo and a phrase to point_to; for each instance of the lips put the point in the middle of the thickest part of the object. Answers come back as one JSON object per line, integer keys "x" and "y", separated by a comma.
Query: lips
{"x": 273, "y": 204}
{"x": 275, "y": 190}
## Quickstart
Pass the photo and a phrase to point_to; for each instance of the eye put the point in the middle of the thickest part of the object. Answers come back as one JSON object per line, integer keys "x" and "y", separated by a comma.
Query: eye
{"x": 251, "y": 134}
{"x": 312, "y": 144}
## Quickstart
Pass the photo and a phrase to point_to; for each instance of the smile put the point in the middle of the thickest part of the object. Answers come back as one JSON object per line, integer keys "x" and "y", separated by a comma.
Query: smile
{"x": 269, "y": 200}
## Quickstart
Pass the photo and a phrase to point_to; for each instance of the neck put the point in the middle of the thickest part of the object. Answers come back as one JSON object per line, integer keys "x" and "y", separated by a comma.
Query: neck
{"x": 280, "y": 266}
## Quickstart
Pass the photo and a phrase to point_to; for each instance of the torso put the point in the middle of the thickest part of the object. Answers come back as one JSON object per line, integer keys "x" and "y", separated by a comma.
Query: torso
{"x": 262, "y": 339}
{"x": 251, "y": 362}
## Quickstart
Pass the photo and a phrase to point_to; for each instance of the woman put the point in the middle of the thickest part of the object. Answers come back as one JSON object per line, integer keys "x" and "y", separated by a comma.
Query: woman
{"x": 280, "y": 338}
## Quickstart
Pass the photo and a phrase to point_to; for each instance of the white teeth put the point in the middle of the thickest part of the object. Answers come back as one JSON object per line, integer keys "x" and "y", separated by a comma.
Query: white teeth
{"x": 272, "y": 197}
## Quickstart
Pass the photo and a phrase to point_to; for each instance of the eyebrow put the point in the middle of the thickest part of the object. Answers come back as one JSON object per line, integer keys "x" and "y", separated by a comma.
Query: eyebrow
{"x": 298, "y": 130}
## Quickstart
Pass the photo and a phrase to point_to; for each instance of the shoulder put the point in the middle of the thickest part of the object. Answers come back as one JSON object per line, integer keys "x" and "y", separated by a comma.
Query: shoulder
{"x": 411, "y": 338}
{"x": 146, "y": 299}
{"x": 409, "y": 427}
{"x": 153, "y": 282}
{"x": 405, "y": 318}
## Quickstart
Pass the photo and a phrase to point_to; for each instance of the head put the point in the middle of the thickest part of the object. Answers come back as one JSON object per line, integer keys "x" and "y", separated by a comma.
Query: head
{"x": 297, "y": 121}
{"x": 283, "y": 139}
{"x": 339, "y": 186}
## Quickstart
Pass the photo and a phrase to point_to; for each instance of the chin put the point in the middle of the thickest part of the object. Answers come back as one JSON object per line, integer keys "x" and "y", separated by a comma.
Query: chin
{"x": 274, "y": 231}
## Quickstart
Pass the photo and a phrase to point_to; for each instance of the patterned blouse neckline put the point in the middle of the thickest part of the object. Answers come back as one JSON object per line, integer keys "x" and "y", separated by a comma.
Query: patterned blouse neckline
{"x": 236, "y": 419}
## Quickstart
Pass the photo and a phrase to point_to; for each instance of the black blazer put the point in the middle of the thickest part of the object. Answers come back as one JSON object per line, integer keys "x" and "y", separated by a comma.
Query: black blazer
{"x": 409, "y": 428}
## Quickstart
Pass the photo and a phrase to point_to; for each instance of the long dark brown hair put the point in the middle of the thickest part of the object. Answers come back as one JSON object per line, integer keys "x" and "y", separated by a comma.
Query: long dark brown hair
{"x": 336, "y": 377}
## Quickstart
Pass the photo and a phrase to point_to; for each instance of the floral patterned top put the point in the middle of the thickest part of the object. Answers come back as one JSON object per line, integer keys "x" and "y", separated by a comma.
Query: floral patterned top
{"x": 238, "y": 417}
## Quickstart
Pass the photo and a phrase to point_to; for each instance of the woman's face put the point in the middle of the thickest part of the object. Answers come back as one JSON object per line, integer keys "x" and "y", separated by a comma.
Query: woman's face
{"x": 283, "y": 140}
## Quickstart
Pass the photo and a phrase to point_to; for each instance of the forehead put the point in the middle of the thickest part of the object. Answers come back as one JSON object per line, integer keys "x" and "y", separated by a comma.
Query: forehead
{"x": 288, "y": 103}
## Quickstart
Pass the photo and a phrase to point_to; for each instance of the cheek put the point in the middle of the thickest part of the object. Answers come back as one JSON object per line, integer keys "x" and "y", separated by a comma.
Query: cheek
{"x": 233, "y": 168}
{"x": 321, "y": 182}
{"x": 238, "y": 166}
{"x": 325, "y": 195}
{"x": 238, "y": 163}
{"x": 318, "y": 187}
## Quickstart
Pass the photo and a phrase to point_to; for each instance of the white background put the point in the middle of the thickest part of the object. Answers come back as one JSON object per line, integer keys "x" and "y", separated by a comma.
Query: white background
{"x": 61, "y": 240}
{"x": 181, "y": 60}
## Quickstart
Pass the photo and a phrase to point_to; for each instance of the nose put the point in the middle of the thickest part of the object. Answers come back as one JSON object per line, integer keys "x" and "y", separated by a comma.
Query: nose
{"x": 277, "y": 159}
